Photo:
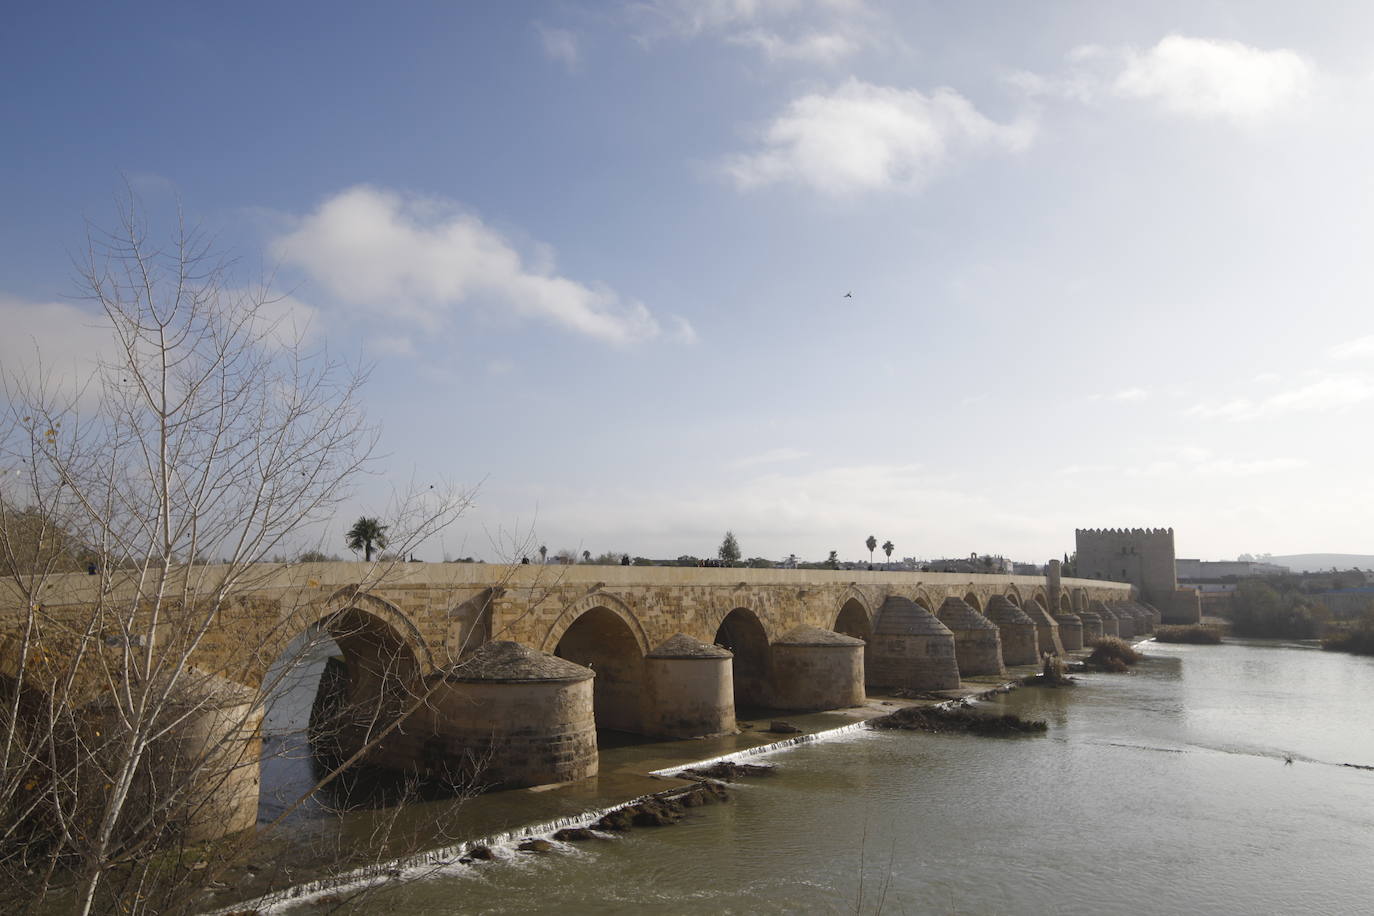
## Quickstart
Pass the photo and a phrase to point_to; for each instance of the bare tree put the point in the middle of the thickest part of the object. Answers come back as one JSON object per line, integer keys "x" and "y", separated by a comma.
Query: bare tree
{"x": 212, "y": 432}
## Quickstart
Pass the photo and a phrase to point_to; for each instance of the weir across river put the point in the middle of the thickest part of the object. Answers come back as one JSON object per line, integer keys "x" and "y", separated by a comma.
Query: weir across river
{"x": 503, "y": 675}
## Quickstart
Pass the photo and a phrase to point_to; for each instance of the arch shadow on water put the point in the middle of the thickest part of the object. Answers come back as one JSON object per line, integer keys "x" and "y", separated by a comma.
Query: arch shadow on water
{"x": 331, "y": 690}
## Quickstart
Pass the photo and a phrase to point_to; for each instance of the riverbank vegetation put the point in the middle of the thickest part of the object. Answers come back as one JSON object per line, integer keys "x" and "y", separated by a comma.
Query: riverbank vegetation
{"x": 1260, "y": 610}
{"x": 1054, "y": 673}
{"x": 1196, "y": 634}
{"x": 1111, "y": 653}
{"x": 957, "y": 719}
{"x": 1356, "y": 638}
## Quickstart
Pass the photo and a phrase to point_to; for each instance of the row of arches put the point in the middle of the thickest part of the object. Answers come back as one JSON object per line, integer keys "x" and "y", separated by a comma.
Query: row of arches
{"x": 384, "y": 657}
{"x": 381, "y": 647}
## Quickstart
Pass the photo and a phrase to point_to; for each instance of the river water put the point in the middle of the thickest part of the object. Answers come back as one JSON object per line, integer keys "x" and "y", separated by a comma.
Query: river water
{"x": 1168, "y": 790}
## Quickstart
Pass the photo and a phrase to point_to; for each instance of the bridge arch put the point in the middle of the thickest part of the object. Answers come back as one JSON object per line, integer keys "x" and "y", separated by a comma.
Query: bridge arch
{"x": 603, "y": 640}
{"x": 1040, "y": 597}
{"x": 334, "y": 614}
{"x": 923, "y": 598}
{"x": 1013, "y": 594}
{"x": 1080, "y": 599}
{"x": 742, "y": 632}
{"x": 855, "y": 616}
{"x": 1065, "y": 605}
{"x": 340, "y": 671}
{"x": 972, "y": 600}
{"x": 599, "y": 599}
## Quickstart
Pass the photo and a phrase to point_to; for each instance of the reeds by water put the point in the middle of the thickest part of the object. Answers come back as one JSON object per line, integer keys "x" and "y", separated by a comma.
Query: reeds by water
{"x": 1196, "y": 634}
{"x": 1111, "y": 653}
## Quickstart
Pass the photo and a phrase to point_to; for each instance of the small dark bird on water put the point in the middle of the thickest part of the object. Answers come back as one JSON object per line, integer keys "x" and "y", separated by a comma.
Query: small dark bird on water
{"x": 1288, "y": 761}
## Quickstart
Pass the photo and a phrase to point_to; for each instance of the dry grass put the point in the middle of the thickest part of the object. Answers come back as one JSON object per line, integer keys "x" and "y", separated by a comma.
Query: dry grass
{"x": 1359, "y": 641}
{"x": 1197, "y": 635}
{"x": 1113, "y": 654}
{"x": 946, "y": 719}
{"x": 1055, "y": 673}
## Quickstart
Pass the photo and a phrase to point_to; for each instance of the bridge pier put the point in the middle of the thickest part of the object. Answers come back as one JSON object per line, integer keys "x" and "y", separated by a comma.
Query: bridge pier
{"x": 689, "y": 690}
{"x": 1108, "y": 618}
{"x": 1019, "y": 646}
{"x": 977, "y": 642}
{"x": 1070, "y": 631}
{"x": 817, "y": 669}
{"x": 911, "y": 649}
{"x": 508, "y": 716}
{"x": 1092, "y": 626}
{"x": 210, "y": 753}
{"x": 1046, "y": 628}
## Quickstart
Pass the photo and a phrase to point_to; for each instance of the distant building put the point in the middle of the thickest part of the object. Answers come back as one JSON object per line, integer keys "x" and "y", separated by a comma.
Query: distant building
{"x": 1143, "y": 557}
{"x": 1210, "y": 570}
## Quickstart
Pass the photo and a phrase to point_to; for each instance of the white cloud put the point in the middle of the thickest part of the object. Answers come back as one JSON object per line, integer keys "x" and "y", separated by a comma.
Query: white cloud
{"x": 391, "y": 345}
{"x": 803, "y": 31}
{"x": 62, "y": 341}
{"x": 811, "y": 47}
{"x": 418, "y": 260}
{"x": 862, "y": 137}
{"x": 1125, "y": 394}
{"x": 1206, "y": 78}
{"x": 1353, "y": 349}
{"x": 561, "y": 46}
{"x": 65, "y": 344}
{"x": 683, "y": 332}
{"x": 1073, "y": 470}
{"x": 1185, "y": 77}
{"x": 1323, "y": 395}
{"x": 1216, "y": 467}
{"x": 772, "y": 456}
{"x": 282, "y": 321}
{"x": 689, "y": 18}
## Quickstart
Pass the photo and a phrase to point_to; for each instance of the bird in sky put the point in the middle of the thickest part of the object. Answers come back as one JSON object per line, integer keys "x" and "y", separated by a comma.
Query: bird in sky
{"x": 849, "y": 295}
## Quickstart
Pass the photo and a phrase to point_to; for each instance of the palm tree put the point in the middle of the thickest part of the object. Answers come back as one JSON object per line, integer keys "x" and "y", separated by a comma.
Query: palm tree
{"x": 543, "y": 554}
{"x": 586, "y": 556}
{"x": 366, "y": 535}
{"x": 888, "y": 547}
{"x": 871, "y": 544}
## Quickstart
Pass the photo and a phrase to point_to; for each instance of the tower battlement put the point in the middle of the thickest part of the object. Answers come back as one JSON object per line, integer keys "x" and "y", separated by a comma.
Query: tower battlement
{"x": 1143, "y": 557}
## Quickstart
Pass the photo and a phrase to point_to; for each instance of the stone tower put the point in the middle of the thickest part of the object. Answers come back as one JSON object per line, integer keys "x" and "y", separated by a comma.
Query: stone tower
{"x": 1143, "y": 557}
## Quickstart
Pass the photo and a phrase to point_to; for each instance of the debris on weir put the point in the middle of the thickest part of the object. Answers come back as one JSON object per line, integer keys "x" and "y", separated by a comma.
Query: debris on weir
{"x": 661, "y": 810}
{"x": 957, "y": 719}
{"x": 727, "y": 770}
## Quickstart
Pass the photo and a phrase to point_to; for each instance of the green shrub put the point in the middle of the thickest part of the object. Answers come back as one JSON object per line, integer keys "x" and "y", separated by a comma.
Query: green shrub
{"x": 1258, "y": 610}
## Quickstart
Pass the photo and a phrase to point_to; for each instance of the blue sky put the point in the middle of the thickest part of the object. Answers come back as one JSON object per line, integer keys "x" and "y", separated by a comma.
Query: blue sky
{"x": 1109, "y": 262}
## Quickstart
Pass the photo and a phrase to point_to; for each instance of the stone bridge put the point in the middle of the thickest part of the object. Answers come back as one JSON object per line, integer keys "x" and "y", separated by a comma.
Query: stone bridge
{"x": 503, "y": 675}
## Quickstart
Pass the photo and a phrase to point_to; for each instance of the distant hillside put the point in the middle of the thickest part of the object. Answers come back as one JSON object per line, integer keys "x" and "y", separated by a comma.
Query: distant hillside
{"x": 1319, "y": 562}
